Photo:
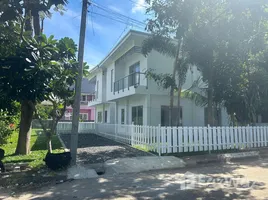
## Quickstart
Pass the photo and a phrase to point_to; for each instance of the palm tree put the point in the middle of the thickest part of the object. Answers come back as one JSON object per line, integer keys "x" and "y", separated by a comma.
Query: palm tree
{"x": 174, "y": 49}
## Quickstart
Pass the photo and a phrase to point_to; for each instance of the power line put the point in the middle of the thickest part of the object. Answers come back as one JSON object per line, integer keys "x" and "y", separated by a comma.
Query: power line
{"x": 117, "y": 14}
{"x": 117, "y": 20}
{"x": 92, "y": 25}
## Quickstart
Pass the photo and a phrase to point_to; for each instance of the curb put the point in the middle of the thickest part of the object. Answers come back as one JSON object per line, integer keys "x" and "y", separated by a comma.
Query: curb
{"x": 221, "y": 158}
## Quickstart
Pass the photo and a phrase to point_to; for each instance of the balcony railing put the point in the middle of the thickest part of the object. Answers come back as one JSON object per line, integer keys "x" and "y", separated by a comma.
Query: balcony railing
{"x": 125, "y": 83}
{"x": 84, "y": 102}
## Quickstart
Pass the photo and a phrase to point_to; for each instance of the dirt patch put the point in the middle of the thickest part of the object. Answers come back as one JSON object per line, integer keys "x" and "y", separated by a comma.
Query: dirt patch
{"x": 29, "y": 180}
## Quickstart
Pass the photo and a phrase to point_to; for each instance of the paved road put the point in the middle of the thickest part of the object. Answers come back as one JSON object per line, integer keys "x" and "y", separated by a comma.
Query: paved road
{"x": 95, "y": 149}
{"x": 243, "y": 180}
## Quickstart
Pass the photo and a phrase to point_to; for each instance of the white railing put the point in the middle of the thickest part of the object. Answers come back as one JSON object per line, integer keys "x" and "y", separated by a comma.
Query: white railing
{"x": 116, "y": 132}
{"x": 178, "y": 139}
{"x": 84, "y": 127}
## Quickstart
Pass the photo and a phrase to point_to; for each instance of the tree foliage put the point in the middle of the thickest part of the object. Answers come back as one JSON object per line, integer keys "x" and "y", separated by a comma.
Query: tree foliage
{"x": 227, "y": 41}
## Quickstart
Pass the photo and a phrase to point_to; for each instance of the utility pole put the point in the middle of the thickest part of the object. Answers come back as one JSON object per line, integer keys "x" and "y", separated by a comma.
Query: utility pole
{"x": 76, "y": 106}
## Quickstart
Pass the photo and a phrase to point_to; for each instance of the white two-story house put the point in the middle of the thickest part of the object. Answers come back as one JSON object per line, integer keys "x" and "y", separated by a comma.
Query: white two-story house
{"x": 124, "y": 95}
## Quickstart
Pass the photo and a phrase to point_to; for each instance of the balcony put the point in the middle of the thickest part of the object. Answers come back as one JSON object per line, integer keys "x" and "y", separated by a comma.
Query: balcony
{"x": 83, "y": 103}
{"x": 94, "y": 101}
{"x": 132, "y": 80}
{"x": 129, "y": 85}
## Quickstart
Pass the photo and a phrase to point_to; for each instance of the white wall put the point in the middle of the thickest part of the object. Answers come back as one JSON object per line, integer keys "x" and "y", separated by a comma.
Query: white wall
{"x": 192, "y": 115}
{"x": 99, "y": 79}
{"x": 127, "y": 104}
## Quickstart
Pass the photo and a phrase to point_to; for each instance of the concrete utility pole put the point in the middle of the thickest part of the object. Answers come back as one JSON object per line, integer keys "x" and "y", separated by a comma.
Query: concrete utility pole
{"x": 76, "y": 106}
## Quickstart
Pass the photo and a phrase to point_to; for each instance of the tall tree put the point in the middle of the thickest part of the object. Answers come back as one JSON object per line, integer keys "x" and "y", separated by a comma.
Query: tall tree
{"x": 168, "y": 27}
{"x": 23, "y": 13}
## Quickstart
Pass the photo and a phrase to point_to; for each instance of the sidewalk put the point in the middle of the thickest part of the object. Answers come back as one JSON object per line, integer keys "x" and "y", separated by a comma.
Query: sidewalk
{"x": 164, "y": 184}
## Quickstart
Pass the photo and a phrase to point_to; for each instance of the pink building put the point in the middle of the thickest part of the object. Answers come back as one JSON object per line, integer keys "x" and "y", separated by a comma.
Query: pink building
{"x": 86, "y": 112}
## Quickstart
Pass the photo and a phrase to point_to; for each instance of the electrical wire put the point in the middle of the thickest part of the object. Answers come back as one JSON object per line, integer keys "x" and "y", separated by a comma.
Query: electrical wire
{"x": 117, "y": 20}
{"x": 119, "y": 14}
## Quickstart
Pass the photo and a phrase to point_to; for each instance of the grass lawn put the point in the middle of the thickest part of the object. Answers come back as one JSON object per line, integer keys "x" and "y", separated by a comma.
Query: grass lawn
{"x": 38, "y": 149}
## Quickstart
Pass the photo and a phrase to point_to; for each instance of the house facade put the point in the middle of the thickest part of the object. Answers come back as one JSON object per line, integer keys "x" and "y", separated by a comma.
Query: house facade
{"x": 87, "y": 113}
{"x": 123, "y": 94}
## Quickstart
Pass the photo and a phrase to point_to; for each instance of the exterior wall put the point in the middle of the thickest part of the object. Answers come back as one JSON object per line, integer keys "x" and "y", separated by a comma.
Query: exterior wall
{"x": 99, "y": 90}
{"x": 163, "y": 64}
{"x": 192, "y": 115}
{"x": 127, "y": 104}
{"x": 109, "y": 84}
{"x": 90, "y": 111}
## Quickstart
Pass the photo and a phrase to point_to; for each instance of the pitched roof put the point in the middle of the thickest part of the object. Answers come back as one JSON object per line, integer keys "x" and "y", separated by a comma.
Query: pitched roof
{"x": 87, "y": 87}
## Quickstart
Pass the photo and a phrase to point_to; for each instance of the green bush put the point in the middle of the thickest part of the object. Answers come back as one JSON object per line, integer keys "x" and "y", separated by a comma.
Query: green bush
{"x": 5, "y": 131}
{"x": 9, "y": 121}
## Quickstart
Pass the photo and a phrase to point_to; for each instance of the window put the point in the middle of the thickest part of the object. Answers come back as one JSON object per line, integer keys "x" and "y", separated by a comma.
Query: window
{"x": 105, "y": 116}
{"x": 174, "y": 117}
{"x": 134, "y": 75}
{"x": 89, "y": 97}
{"x": 122, "y": 116}
{"x": 99, "y": 117}
{"x": 83, "y": 116}
{"x": 112, "y": 80}
{"x": 84, "y": 98}
{"x": 97, "y": 90}
{"x": 216, "y": 115}
{"x": 137, "y": 115}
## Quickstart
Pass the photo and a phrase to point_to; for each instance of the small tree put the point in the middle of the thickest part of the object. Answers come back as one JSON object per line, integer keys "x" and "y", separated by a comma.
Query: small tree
{"x": 25, "y": 16}
{"x": 61, "y": 91}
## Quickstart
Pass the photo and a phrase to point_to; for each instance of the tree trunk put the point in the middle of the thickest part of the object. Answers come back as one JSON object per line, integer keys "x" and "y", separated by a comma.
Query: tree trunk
{"x": 210, "y": 99}
{"x": 49, "y": 144}
{"x": 28, "y": 17}
{"x": 179, "y": 123}
{"x": 180, "y": 83}
{"x": 23, "y": 146}
{"x": 36, "y": 23}
{"x": 171, "y": 103}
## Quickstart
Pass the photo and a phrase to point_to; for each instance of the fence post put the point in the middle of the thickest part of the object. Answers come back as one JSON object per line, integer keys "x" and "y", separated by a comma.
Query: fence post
{"x": 132, "y": 133}
{"x": 115, "y": 132}
{"x": 158, "y": 140}
{"x": 96, "y": 128}
{"x": 209, "y": 138}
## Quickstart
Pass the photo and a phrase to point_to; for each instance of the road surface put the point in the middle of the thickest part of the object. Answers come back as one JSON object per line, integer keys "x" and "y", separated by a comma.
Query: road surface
{"x": 241, "y": 180}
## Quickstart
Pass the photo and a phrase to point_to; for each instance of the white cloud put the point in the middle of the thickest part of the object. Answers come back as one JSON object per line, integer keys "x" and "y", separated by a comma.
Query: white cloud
{"x": 139, "y": 6}
{"x": 116, "y": 9}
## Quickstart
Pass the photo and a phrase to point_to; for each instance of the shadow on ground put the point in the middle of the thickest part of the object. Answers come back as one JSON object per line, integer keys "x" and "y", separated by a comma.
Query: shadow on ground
{"x": 95, "y": 149}
{"x": 152, "y": 185}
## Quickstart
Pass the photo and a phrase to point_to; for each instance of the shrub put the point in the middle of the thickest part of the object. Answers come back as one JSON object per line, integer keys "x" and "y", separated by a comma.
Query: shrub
{"x": 8, "y": 123}
{"x": 5, "y": 131}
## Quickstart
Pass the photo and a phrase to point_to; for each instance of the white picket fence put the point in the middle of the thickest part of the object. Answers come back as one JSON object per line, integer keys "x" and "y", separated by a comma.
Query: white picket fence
{"x": 84, "y": 127}
{"x": 177, "y": 139}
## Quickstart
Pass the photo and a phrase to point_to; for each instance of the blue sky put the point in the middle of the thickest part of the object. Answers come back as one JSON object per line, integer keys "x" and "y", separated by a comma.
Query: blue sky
{"x": 102, "y": 33}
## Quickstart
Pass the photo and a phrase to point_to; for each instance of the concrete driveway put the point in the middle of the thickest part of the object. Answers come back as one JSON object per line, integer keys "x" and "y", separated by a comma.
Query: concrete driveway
{"x": 242, "y": 180}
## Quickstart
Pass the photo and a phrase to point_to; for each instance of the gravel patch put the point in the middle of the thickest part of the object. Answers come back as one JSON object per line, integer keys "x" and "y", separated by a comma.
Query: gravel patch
{"x": 95, "y": 149}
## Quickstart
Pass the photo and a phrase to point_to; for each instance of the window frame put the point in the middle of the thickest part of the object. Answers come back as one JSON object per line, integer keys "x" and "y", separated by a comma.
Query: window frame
{"x": 123, "y": 116}
{"x": 83, "y": 114}
{"x": 99, "y": 116}
{"x": 137, "y": 120}
{"x": 105, "y": 116}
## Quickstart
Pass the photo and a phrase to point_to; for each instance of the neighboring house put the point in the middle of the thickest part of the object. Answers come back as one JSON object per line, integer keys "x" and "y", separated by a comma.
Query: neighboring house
{"x": 87, "y": 113}
{"x": 123, "y": 95}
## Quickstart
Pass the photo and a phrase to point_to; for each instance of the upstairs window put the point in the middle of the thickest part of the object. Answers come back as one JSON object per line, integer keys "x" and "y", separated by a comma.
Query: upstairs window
{"x": 84, "y": 98}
